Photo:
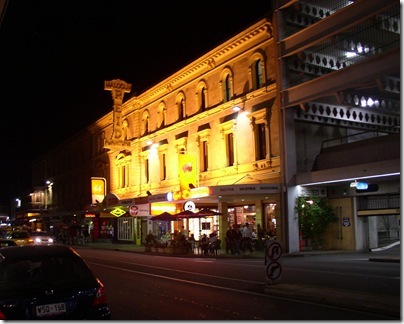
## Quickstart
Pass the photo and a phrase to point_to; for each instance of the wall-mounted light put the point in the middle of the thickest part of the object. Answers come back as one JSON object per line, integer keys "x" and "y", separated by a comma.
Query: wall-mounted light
{"x": 149, "y": 142}
{"x": 237, "y": 108}
{"x": 191, "y": 186}
{"x": 359, "y": 185}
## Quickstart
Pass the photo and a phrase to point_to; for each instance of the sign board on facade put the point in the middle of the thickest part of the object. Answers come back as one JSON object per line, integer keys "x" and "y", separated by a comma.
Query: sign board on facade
{"x": 157, "y": 198}
{"x": 98, "y": 189}
{"x": 245, "y": 189}
{"x": 139, "y": 210}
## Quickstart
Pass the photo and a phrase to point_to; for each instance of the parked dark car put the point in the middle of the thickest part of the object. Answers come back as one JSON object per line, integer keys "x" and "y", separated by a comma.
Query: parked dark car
{"x": 39, "y": 282}
{"x": 7, "y": 242}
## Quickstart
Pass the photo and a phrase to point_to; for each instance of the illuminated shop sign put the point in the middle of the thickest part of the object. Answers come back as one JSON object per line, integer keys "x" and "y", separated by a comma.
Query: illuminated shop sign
{"x": 117, "y": 211}
{"x": 160, "y": 208}
{"x": 159, "y": 197}
{"x": 199, "y": 192}
{"x": 98, "y": 189}
{"x": 139, "y": 210}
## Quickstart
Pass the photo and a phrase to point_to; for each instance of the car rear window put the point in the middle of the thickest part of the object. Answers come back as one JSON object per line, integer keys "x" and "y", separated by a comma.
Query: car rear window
{"x": 55, "y": 271}
{"x": 20, "y": 235}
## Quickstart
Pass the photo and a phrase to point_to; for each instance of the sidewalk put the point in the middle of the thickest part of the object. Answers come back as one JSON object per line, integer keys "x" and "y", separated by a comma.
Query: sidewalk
{"x": 388, "y": 254}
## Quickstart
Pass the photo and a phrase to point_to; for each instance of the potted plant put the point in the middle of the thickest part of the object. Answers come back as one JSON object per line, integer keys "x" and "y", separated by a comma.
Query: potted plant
{"x": 315, "y": 214}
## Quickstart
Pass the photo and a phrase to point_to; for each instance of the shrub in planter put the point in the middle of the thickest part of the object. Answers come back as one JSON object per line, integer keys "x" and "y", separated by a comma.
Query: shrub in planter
{"x": 315, "y": 214}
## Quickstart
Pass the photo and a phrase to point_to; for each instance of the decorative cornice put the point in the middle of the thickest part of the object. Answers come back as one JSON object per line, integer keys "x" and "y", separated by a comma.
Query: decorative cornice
{"x": 208, "y": 61}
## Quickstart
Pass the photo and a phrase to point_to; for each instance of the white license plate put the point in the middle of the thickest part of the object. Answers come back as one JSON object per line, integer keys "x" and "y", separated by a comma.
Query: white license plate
{"x": 51, "y": 309}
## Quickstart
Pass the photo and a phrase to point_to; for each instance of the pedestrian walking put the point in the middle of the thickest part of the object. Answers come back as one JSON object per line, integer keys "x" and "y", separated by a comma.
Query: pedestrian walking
{"x": 229, "y": 241}
{"x": 247, "y": 238}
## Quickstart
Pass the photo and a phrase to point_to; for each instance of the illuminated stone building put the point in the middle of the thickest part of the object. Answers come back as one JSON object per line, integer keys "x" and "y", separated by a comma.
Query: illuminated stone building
{"x": 208, "y": 134}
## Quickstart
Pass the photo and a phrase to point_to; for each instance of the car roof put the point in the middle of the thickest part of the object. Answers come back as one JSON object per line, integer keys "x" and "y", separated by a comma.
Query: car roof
{"x": 18, "y": 252}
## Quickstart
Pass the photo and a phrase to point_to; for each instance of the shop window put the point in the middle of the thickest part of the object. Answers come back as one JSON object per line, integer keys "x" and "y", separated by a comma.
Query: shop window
{"x": 269, "y": 225}
{"x": 239, "y": 215}
{"x": 125, "y": 229}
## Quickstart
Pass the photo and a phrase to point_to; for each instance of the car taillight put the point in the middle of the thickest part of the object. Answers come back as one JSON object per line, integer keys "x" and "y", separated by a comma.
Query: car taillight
{"x": 2, "y": 316}
{"x": 101, "y": 295}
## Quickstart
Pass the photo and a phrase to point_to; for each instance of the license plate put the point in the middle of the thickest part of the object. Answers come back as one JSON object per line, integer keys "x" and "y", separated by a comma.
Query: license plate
{"x": 51, "y": 309}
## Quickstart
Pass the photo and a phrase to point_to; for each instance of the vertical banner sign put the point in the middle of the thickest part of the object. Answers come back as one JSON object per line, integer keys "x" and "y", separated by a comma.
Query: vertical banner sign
{"x": 188, "y": 173}
{"x": 98, "y": 189}
{"x": 118, "y": 88}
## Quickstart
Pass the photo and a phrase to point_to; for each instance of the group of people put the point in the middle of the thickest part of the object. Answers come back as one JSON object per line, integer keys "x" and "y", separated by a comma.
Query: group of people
{"x": 208, "y": 245}
{"x": 211, "y": 244}
{"x": 238, "y": 240}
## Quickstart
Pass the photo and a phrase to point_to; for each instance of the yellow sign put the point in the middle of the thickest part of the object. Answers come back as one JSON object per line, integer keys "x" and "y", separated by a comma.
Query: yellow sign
{"x": 98, "y": 189}
{"x": 118, "y": 212}
{"x": 199, "y": 192}
{"x": 188, "y": 174}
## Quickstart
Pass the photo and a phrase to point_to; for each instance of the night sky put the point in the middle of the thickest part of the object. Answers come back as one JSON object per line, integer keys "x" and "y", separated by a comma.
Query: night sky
{"x": 56, "y": 54}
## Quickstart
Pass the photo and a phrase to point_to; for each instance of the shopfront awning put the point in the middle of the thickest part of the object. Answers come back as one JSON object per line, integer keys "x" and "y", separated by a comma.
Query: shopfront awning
{"x": 164, "y": 217}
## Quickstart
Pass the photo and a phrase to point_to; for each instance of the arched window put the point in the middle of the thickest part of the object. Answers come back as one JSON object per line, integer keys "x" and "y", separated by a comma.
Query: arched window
{"x": 125, "y": 127}
{"x": 227, "y": 89}
{"x": 180, "y": 104}
{"x": 257, "y": 75}
{"x": 161, "y": 115}
{"x": 226, "y": 84}
{"x": 257, "y": 71}
{"x": 201, "y": 96}
{"x": 145, "y": 125}
{"x": 122, "y": 164}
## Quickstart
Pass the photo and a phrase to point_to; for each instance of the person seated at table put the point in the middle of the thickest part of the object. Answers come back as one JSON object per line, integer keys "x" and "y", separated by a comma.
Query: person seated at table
{"x": 205, "y": 244}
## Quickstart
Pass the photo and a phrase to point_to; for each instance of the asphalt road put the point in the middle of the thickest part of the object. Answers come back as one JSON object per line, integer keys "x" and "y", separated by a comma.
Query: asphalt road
{"x": 386, "y": 304}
